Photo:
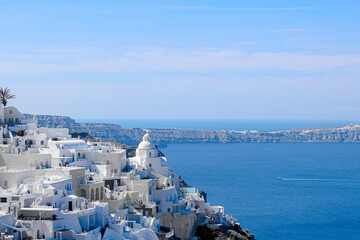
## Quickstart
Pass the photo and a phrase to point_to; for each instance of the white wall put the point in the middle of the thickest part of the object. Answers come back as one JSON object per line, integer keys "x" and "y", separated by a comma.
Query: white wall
{"x": 27, "y": 161}
{"x": 2, "y": 113}
{"x": 14, "y": 178}
{"x": 117, "y": 161}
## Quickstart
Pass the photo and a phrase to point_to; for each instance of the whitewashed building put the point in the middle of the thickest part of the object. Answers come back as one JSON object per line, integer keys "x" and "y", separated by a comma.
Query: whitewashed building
{"x": 55, "y": 187}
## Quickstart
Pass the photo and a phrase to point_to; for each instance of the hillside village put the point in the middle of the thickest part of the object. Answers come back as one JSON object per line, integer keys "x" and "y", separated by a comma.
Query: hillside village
{"x": 53, "y": 186}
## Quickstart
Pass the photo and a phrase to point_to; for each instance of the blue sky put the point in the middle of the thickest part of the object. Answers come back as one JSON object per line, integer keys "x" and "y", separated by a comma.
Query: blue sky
{"x": 183, "y": 59}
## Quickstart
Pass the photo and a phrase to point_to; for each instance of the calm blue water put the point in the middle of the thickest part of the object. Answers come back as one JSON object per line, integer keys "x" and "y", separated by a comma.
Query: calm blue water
{"x": 319, "y": 198}
{"x": 219, "y": 124}
{"x": 320, "y": 201}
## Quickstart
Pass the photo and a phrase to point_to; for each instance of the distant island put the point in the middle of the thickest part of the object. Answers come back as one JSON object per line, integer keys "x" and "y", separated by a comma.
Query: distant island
{"x": 164, "y": 136}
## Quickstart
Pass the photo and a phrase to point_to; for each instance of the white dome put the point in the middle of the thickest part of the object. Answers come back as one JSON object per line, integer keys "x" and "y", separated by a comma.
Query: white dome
{"x": 146, "y": 144}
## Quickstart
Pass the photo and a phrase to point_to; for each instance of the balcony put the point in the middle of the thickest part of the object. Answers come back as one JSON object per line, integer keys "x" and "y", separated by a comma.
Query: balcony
{"x": 165, "y": 233}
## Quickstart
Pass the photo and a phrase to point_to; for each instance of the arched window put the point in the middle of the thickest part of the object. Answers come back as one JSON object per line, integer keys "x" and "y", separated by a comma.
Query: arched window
{"x": 92, "y": 195}
{"x": 101, "y": 193}
{"x": 97, "y": 194}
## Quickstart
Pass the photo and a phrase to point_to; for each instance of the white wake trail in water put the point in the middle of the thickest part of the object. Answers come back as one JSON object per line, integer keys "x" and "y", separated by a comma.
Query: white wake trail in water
{"x": 318, "y": 179}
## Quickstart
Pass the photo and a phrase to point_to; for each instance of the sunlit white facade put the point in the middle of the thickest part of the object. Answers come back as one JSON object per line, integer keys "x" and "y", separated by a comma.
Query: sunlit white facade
{"x": 55, "y": 187}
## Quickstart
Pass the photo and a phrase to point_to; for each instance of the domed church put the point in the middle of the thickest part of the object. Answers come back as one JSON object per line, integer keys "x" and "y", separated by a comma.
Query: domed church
{"x": 147, "y": 156}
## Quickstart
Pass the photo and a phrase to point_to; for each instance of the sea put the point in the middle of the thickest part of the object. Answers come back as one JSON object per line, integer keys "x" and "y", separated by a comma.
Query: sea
{"x": 281, "y": 191}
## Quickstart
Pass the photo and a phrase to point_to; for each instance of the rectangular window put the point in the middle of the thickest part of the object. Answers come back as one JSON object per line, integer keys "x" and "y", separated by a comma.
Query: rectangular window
{"x": 3, "y": 199}
{"x": 42, "y": 142}
{"x": 10, "y": 111}
{"x": 5, "y": 183}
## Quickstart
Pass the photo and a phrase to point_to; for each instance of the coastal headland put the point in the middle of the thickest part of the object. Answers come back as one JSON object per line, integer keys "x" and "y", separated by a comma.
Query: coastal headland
{"x": 164, "y": 136}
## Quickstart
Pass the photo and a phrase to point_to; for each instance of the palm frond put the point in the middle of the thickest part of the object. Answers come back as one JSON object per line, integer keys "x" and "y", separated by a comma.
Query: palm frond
{"x": 5, "y": 95}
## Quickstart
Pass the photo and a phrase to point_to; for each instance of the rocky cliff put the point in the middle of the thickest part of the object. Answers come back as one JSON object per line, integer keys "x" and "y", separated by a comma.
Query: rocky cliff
{"x": 223, "y": 232}
{"x": 131, "y": 136}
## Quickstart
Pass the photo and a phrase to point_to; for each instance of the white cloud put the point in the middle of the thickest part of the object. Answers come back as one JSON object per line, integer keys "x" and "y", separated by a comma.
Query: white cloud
{"x": 167, "y": 60}
{"x": 208, "y": 97}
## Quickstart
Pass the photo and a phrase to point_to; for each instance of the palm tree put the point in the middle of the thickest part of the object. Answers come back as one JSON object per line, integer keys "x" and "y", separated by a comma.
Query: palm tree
{"x": 5, "y": 95}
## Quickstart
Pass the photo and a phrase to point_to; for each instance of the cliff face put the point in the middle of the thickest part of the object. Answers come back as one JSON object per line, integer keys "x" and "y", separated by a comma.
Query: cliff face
{"x": 52, "y": 121}
{"x": 223, "y": 232}
{"x": 132, "y": 136}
